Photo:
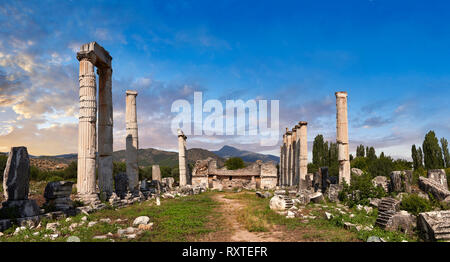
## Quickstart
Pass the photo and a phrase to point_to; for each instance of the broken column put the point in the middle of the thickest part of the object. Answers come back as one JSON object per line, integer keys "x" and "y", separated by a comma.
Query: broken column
{"x": 57, "y": 195}
{"x": 182, "y": 164}
{"x": 303, "y": 151}
{"x": 105, "y": 132}
{"x": 434, "y": 225}
{"x": 92, "y": 55}
{"x": 156, "y": 173}
{"x": 342, "y": 137}
{"x": 289, "y": 158}
{"x": 16, "y": 183}
{"x": 132, "y": 142}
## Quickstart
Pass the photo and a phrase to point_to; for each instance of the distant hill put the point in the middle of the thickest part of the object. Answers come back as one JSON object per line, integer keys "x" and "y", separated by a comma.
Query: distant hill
{"x": 247, "y": 156}
{"x": 149, "y": 156}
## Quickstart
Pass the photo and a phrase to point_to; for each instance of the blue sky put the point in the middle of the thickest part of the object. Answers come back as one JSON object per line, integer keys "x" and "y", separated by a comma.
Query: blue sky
{"x": 392, "y": 57}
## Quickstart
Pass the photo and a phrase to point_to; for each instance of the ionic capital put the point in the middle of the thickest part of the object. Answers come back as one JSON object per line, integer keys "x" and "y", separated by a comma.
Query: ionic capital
{"x": 87, "y": 55}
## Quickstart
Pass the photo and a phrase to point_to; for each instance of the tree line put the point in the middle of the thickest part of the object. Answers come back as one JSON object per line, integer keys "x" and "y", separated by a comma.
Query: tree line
{"x": 431, "y": 155}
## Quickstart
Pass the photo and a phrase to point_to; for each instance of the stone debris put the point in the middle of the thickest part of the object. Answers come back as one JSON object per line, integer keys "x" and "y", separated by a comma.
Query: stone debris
{"x": 281, "y": 203}
{"x": 92, "y": 223}
{"x": 439, "y": 176}
{"x": 434, "y": 225}
{"x": 57, "y": 195}
{"x": 386, "y": 210}
{"x": 382, "y": 182}
{"x": 105, "y": 220}
{"x": 400, "y": 181}
{"x": 328, "y": 216}
{"x": 435, "y": 188}
{"x": 357, "y": 171}
{"x": 142, "y": 220}
{"x": 402, "y": 221}
{"x": 52, "y": 226}
{"x": 316, "y": 197}
{"x": 333, "y": 192}
{"x": 73, "y": 239}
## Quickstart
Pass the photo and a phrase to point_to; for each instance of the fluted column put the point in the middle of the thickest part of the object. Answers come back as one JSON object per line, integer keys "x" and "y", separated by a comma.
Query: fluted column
{"x": 303, "y": 151}
{"x": 286, "y": 158}
{"x": 87, "y": 126}
{"x": 280, "y": 173}
{"x": 182, "y": 167}
{"x": 290, "y": 158}
{"x": 132, "y": 143}
{"x": 342, "y": 137}
{"x": 294, "y": 155}
{"x": 105, "y": 132}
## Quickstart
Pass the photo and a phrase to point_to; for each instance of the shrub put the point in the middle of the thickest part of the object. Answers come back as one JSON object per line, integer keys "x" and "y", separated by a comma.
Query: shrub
{"x": 360, "y": 190}
{"x": 415, "y": 204}
{"x": 234, "y": 163}
{"x": 360, "y": 163}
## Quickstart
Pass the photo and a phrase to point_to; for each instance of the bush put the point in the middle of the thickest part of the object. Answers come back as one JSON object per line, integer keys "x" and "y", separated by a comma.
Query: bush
{"x": 234, "y": 163}
{"x": 360, "y": 163}
{"x": 415, "y": 204}
{"x": 382, "y": 166}
{"x": 360, "y": 190}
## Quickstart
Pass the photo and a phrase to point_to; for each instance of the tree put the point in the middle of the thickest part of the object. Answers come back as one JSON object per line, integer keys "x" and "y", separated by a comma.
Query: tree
{"x": 360, "y": 151}
{"x": 445, "y": 152}
{"x": 234, "y": 163}
{"x": 319, "y": 150}
{"x": 371, "y": 155}
{"x": 420, "y": 157}
{"x": 415, "y": 157}
{"x": 432, "y": 152}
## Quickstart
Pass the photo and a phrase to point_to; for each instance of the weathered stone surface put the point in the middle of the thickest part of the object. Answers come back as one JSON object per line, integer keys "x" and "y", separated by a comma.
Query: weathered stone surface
{"x": 281, "y": 203}
{"x": 58, "y": 189}
{"x": 357, "y": 171}
{"x": 142, "y": 220}
{"x": 182, "y": 163}
{"x": 382, "y": 182}
{"x": 19, "y": 208}
{"x": 168, "y": 181}
{"x": 333, "y": 192}
{"x": 375, "y": 202}
{"x": 121, "y": 184}
{"x": 402, "y": 221}
{"x": 132, "y": 142}
{"x": 16, "y": 177}
{"x": 435, "y": 188}
{"x": 439, "y": 176}
{"x": 400, "y": 181}
{"x": 387, "y": 208}
{"x": 316, "y": 197}
{"x": 156, "y": 172}
{"x": 342, "y": 137}
{"x": 303, "y": 197}
{"x": 434, "y": 225}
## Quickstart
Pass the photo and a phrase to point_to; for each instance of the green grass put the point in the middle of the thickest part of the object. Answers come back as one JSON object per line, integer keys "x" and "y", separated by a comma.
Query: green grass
{"x": 181, "y": 219}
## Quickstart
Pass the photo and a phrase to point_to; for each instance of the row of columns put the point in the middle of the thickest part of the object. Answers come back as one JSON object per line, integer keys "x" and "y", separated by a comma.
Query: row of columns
{"x": 92, "y": 55}
{"x": 294, "y": 156}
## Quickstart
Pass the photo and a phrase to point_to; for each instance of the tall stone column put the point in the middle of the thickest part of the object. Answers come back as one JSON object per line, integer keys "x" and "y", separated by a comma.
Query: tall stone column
{"x": 105, "y": 132}
{"x": 280, "y": 177}
{"x": 182, "y": 165}
{"x": 132, "y": 145}
{"x": 342, "y": 137}
{"x": 87, "y": 126}
{"x": 286, "y": 159}
{"x": 294, "y": 156}
{"x": 290, "y": 158}
{"x": 303, "y": 151}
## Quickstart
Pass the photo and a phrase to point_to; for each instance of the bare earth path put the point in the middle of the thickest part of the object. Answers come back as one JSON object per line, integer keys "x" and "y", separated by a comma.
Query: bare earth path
{"x": 235, "y": 231}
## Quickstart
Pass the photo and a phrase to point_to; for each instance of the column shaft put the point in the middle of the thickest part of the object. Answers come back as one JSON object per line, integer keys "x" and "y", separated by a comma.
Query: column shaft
{"x": 182, "y": 167}
{"x": 132, "y": 143}
{"x": 303, "y": 152}
{"x": 87, "y": 128}
{"x": 342, "y": 137}
{"x": 105, "y": 132}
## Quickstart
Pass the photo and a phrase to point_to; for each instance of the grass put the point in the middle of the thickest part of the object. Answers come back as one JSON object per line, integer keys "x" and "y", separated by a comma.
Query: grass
{"x": 176, "y": 220}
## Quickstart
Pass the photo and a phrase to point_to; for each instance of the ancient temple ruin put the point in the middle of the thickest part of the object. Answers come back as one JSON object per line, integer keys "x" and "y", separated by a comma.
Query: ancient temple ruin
{"x": 132, "y": 143}
{"x": 92, "y": 55}
{"x": 182, "y": 162}
{"x": 294, "y": 156}
{"x": 342, "y": 137}
{"x": 259, "y": 175}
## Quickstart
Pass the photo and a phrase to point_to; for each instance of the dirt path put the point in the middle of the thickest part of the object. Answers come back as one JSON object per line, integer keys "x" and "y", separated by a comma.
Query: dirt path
{"x": 236, "y": 231}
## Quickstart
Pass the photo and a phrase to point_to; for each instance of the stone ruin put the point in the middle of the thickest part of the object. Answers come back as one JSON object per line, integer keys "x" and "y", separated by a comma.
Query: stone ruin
{"x": 16, "y": 178}
{"x": 57, "y": 195}
{"x": 258, "y": 175}
{"x": 434, "y": 225}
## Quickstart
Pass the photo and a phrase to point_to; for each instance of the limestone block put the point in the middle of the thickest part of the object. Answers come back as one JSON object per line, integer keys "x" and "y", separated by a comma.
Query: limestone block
{"x": 435, "y": 188}
{"x": 281, "y": 203}
{"x": 434, "y": 225}
{"x": 439, "y": 176}
{"x": 357, "y": 171}
{"x": 16, "y": 177}
{"x": 382, "y": 182}
{"x": 156, "y": 173}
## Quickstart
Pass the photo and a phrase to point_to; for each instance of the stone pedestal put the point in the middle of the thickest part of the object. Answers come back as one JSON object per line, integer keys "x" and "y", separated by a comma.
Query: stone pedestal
{"x": 156, "y": 173}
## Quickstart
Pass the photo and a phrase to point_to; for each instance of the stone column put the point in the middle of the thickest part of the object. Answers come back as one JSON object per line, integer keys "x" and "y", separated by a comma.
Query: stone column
{"x": 182, "y": 166}
{"x": 105, "y": 132}
{"x": 280, "y": 174}
{"x": 303, "y": 151}
{"x": 87, "y": 137}
{"x": 294, "y": 155}
{"x": 289, "y": 158}
{"x": 285, "y": 158}
{"x": 342, "y": 137}
{"x": 132, "y": 145}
